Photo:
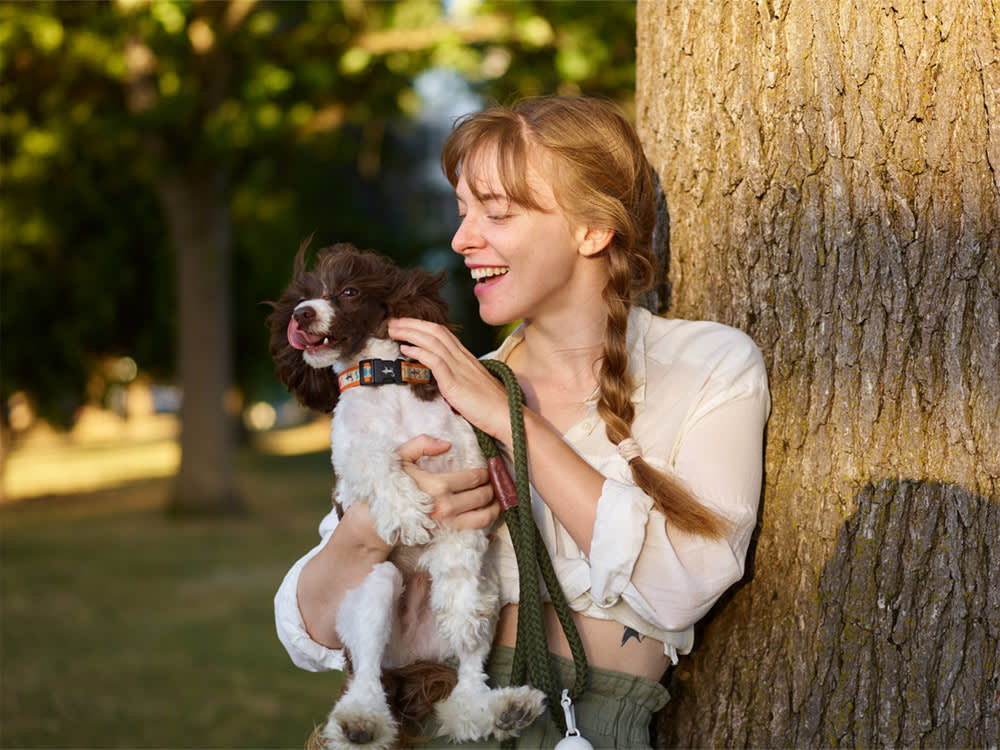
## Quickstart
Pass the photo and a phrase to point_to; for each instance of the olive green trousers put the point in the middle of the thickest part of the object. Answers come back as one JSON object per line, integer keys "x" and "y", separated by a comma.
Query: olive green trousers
{"x": 615, "y": 712}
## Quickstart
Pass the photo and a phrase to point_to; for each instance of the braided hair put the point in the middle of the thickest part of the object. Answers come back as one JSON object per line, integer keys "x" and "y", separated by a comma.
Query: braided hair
{"x": 600, "y": 175}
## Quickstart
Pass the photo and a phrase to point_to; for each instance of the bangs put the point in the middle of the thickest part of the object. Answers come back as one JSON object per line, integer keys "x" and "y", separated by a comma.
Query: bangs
{"x": 495, "y": 142}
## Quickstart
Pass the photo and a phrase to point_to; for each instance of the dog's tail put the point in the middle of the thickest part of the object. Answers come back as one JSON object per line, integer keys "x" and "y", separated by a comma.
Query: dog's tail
{"x": 412, "y": 691}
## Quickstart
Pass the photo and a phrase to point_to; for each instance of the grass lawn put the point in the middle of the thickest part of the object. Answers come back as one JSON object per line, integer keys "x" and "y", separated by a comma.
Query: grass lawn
{"x": 120, "y": 628}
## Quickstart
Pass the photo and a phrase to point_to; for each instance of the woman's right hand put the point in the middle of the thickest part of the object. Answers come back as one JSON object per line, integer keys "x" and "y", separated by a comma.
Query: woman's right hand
{"x": 462, "y": 499}
{"x": 464, "y": 381}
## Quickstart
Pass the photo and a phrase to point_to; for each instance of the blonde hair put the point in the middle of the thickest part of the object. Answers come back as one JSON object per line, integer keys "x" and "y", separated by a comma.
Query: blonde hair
{"x": 600, "y": 174}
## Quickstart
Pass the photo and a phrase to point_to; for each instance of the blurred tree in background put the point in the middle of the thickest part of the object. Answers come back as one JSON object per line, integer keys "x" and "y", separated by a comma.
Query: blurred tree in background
{"x": 161, "y": 160}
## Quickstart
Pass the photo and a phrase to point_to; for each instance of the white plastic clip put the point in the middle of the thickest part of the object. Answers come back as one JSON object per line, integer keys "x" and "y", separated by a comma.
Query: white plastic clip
{"x": 573, "y": 739}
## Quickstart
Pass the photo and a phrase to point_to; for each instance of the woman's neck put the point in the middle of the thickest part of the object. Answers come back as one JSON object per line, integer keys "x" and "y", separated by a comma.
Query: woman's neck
{"x": 566, "y": 351}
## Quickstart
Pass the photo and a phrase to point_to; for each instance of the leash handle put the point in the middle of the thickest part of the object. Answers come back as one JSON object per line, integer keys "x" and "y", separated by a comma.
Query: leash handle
{"x": 503, "y": 485}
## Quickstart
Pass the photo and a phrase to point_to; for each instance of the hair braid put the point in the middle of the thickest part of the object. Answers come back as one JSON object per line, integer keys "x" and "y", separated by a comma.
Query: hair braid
{"x": 615, "y": 403}
{"x": 615, "y": 407}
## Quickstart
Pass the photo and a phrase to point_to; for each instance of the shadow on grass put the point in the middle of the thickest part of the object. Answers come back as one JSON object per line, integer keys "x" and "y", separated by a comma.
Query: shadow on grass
{"x": 121, "y": 628}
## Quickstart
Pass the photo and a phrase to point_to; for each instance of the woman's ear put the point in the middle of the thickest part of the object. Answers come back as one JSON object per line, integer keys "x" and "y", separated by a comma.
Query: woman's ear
{"x": 595, "y": 239}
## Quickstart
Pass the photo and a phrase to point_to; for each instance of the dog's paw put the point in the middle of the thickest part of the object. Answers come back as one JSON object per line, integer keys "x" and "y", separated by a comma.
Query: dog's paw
{"x": 409, "y": 525}
{"x": 470, "y": 715}
{"x": 515, "y": 708}
{"x": 417, "y": 532}
{"x": 359, "y": 728}
{"x": 464, "y": 716}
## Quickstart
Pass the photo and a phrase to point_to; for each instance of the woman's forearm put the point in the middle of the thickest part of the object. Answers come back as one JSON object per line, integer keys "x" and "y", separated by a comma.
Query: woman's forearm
{"x": 341, "y": 565}
{"x": 569, "y": 485}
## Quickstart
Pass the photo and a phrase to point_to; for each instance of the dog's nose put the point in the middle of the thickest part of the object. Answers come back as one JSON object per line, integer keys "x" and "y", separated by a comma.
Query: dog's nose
{"x": 304, "y": 316}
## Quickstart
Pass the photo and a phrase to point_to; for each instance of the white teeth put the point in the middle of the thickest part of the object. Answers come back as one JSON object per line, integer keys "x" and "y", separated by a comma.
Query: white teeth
{"x": 485, "y": 272}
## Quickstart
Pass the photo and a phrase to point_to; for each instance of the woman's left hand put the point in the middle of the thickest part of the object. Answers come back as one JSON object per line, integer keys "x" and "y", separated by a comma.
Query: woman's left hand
{"x": 466, "y": 385}
{"x": 462, "y": 499}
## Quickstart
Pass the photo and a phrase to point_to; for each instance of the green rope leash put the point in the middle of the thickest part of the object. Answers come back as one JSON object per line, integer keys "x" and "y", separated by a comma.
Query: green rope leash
{"x": 531, "y": 652}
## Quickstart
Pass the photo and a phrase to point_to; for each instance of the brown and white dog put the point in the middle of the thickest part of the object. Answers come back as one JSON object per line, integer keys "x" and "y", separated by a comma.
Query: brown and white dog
{"x": 330, "y": 347}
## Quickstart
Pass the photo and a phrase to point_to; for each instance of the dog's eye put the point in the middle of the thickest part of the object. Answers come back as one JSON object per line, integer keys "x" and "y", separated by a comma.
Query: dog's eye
{"x": 349, "y": 291}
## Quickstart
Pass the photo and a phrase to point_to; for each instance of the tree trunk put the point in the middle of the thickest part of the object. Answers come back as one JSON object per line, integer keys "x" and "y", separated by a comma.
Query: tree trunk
{"x": 195, "y": 203}
{"x": 832, "y": 174}
{"x": 198, "y": 216}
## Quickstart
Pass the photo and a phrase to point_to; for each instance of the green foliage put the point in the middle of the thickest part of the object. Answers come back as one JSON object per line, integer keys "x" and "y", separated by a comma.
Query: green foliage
{"x": 305, "y": 106}
{"x": 563, "y": 47}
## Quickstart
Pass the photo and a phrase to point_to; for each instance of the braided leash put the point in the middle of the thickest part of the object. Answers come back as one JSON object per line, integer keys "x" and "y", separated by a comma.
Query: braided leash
{"x": 531, "y": 652}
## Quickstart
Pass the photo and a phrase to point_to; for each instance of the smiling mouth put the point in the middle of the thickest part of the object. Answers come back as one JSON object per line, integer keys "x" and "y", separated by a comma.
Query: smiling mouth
{"x": 485, "y": 273}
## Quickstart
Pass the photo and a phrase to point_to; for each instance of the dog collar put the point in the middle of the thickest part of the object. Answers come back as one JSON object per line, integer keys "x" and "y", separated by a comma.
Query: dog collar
{"x": 383, "y": 371}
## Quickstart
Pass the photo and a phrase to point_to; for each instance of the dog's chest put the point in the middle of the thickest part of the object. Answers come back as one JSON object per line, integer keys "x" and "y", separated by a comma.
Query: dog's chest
{"x": 385, "y": 417}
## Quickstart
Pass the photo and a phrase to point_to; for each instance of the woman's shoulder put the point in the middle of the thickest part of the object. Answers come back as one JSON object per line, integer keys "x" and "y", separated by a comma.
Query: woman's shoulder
{"x": 702, "y": 344}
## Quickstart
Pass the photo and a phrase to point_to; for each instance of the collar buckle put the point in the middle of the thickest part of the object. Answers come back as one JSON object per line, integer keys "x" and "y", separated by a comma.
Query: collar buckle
{"x": 381, "y": 371}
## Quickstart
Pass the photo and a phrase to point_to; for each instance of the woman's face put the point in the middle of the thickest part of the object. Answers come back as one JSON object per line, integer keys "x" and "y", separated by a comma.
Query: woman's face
{"x": 525, "y": 262}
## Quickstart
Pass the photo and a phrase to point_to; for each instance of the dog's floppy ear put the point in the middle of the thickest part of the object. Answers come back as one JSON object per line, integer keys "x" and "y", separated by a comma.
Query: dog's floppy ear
{"x": 314, "y": 389}
{"x": 418, "y": 295}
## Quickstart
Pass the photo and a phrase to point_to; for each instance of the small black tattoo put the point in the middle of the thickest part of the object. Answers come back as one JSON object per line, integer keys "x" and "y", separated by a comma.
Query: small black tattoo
{"x": 631, "y": 633}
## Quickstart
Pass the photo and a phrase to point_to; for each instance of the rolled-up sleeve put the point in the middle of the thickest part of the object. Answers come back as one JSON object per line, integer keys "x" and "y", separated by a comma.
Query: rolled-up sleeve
{"x": 303, "y": 650}
{"x": 679, "y": 575}
{"x": 619, "y": 533}
{"x": 671, "y": 578}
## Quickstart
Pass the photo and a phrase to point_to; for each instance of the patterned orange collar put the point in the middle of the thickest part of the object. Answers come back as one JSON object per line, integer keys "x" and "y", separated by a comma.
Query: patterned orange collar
{"x": 382, "y": 371}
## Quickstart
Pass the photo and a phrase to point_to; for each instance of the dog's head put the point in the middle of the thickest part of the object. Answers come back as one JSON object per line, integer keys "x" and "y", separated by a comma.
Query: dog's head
{"x": 328, "y": 313}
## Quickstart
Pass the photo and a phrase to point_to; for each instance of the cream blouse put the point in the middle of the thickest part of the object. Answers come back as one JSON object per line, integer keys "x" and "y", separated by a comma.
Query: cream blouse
{"x": 701, "y": 398}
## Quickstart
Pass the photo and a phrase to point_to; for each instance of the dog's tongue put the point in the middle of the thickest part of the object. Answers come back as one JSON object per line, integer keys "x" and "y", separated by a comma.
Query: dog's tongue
{"x": 298, "y": 338}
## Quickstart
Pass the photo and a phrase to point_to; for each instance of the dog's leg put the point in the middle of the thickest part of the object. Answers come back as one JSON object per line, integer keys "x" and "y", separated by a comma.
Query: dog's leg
{"x": 361, "y": 718}
{"x": 400, "y": 510}
{"x": 465, "y": 604}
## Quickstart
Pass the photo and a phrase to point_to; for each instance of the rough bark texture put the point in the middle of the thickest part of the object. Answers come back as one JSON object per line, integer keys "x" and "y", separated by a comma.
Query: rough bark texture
{"x": 832, "y": 175}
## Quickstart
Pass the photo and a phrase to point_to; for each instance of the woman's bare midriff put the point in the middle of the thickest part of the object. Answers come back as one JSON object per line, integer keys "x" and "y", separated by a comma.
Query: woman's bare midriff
{"x": 603, "y": 642}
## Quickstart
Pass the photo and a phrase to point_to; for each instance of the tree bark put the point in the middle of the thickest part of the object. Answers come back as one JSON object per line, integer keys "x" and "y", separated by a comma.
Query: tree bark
{"x": 831, "y": 175}
{"x": 196, "y": 207}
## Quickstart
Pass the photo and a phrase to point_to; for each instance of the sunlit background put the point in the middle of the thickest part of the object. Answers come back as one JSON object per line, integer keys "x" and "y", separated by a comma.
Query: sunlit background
{"x": 313, "y": 116}
{"x": 150, "y": 146}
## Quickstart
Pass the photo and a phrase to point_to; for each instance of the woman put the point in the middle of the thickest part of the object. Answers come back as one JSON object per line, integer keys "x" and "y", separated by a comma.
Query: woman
{"x": 644, "y": 434}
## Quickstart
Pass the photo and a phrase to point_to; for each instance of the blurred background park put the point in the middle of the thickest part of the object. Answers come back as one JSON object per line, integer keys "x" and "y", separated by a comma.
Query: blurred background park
{"x": 161, "y": 162}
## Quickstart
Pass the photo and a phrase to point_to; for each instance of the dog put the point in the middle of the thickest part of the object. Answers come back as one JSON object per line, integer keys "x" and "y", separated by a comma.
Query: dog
{"x": 330, "y": 346}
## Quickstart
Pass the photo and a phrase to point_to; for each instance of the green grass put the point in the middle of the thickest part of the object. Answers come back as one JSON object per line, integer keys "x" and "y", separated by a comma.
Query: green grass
{"x": 121, "y": 628}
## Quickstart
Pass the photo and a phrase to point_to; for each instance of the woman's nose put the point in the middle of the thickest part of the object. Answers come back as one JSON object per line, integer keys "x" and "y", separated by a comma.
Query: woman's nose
{"x": 467, "y": 237}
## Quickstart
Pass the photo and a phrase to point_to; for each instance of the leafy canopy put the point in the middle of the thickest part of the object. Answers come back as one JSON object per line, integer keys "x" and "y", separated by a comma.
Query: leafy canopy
{"x": 305, "y": 107}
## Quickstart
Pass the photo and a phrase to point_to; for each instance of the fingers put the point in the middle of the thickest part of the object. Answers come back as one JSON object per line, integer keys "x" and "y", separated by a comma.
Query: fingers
{"x": 422, "y": 445}
{"x": 424, "y": 334}
{"x": 454, "y": 504}
{"x": 464, "y": 382}
{"x": 480, "y": 518}
{"x": 462, "y": 499}
{"x": 432, "y": 345}
{"x": 440, "y": 485}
